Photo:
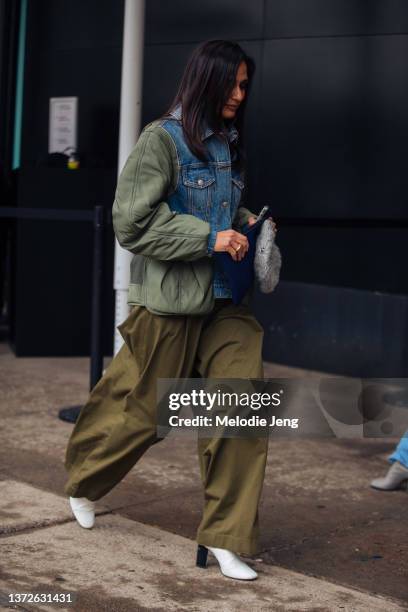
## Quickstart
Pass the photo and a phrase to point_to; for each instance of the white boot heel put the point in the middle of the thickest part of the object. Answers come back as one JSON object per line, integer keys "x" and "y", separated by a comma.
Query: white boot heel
{"x": 231, "y": 565}
{"x": 84, "y": 511}
{"x": 396, "y": 478}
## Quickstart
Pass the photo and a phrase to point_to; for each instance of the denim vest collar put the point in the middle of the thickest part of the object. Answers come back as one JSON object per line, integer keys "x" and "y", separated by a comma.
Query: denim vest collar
{"x": 232, "y": 131}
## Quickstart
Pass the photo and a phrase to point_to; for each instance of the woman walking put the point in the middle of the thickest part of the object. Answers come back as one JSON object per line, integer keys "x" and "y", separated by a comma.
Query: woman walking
{"x": 176, "y": 203}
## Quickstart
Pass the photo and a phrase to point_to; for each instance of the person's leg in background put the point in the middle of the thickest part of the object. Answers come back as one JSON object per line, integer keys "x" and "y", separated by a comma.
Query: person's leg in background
{"x": 397, "y": 475}
{"x": 232, "y": 469}
{"x": 401, "y": 452}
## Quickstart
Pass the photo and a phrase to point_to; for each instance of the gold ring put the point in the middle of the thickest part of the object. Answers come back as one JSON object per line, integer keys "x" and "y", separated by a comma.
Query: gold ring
{"x": 237, "y": 249}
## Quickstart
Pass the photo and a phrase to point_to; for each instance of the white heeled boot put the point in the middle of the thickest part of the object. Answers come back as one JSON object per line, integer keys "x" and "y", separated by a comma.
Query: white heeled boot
{"x": 84, "y": 511}
{"x": 396, "y": 478}
{"x": 230, "y": 564}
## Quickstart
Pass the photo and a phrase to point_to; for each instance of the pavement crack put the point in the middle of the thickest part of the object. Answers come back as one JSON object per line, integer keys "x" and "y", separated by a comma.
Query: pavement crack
{"x": 15, "y": 531}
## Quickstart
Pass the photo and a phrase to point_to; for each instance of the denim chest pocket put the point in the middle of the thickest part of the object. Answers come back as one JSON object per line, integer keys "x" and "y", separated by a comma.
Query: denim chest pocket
{"x": 200, "y": 185}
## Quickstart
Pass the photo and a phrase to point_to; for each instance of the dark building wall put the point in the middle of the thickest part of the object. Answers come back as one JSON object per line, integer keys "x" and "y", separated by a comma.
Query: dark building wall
{"x": 326, "y": 137}
{"x": 72, "y": 49}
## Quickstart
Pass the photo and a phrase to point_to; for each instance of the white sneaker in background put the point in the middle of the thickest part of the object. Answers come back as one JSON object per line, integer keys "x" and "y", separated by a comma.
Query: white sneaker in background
{"x": 396, "y": 478}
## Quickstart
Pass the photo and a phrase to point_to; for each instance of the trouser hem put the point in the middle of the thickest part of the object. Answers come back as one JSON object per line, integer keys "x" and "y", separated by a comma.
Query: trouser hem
{"x": 249, "y": 546}
{"x": 74, "y": 491}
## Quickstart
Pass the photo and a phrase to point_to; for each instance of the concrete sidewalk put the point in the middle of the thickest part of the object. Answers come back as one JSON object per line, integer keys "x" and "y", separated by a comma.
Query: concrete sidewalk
{"x": 124, "y": 565}
{"x": 329, "y": 542}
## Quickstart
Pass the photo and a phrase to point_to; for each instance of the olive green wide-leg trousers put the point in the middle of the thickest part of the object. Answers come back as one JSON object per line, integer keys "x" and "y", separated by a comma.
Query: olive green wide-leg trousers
{"x": 118, "y": 423}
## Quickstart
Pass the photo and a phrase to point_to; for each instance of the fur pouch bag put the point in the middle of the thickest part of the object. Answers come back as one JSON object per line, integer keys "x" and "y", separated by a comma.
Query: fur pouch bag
{"x": 268, "y": 260}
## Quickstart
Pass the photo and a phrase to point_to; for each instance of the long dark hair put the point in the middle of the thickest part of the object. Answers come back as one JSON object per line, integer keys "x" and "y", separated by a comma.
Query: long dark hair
{"x": 205, "y": 87}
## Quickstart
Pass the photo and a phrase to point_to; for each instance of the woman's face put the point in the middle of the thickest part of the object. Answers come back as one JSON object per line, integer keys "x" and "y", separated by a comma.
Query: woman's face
{"x": 237, "y": 94}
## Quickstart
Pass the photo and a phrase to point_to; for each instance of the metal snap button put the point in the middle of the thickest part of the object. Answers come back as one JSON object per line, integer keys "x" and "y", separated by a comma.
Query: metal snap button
{"x": 200, "y": 182}
{"x": 225, "y": 204}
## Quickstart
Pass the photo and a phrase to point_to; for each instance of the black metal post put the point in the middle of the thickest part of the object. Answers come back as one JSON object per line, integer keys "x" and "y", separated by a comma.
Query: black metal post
{"x": 96, "y": 329}
{"x": 71, "y": 413}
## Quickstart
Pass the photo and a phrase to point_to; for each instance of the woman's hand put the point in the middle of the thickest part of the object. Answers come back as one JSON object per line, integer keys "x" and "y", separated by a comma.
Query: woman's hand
{"x": 253, "y": 220}
{"x": 232, "y": 242}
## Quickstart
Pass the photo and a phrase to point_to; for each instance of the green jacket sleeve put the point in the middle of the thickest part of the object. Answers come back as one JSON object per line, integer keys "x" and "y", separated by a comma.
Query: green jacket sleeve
{"x": 142, "y": 219}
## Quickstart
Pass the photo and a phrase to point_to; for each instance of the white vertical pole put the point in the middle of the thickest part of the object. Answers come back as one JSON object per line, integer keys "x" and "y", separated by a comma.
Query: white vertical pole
{"x": 129, "y": 130}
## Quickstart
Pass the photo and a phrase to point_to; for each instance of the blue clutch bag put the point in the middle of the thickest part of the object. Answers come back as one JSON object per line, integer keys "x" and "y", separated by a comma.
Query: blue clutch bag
{"x": 240, "y": 274}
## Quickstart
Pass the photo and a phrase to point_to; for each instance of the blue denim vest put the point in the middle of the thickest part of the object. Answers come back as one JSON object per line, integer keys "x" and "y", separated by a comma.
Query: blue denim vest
{"x": 209, "y": 190}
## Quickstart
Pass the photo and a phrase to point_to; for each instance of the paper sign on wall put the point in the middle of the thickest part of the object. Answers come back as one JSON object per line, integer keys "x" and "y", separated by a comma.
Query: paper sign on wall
{"x": 63, "y": 124}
